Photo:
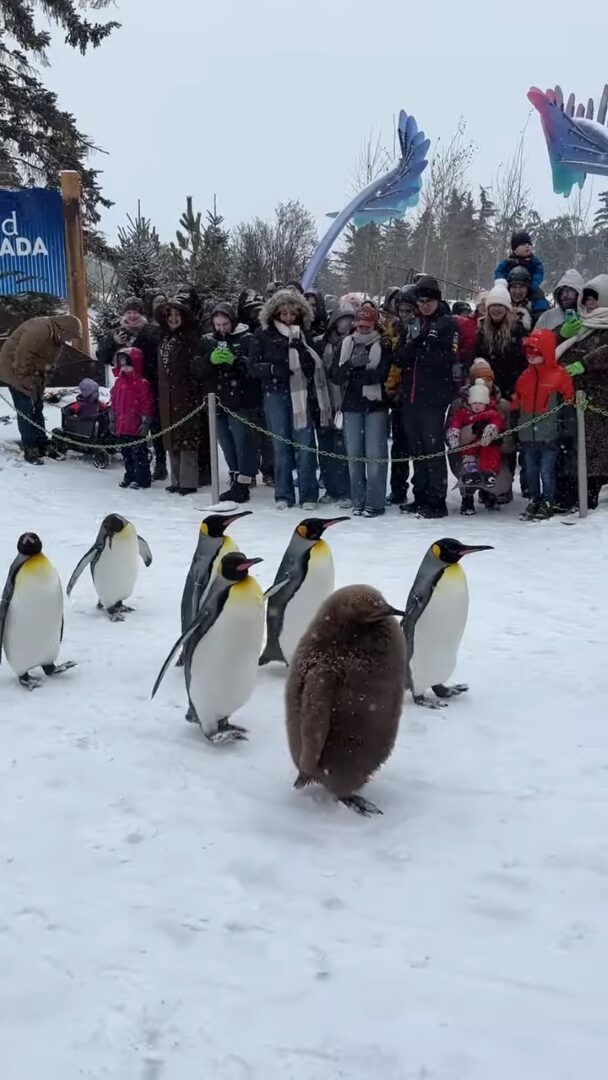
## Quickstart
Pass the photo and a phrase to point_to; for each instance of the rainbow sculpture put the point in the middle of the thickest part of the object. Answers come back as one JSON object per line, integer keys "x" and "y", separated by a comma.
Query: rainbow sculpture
{"x": 577, "y": 144}
{"x": 390, "y": 196}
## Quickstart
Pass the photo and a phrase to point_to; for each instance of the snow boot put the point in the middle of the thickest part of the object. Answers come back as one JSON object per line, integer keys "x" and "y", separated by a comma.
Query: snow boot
{"x": 470, "y": 476}
{"x": 238, "y": 493}
{"x": 545, "y": 511}
{"x": 467, "y": 506}
{"x": 531, "y": 511}
{"x": 160, "y": 471}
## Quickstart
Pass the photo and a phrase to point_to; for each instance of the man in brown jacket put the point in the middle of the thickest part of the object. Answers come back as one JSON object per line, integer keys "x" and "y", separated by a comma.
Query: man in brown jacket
{"x": 27, "y": 359}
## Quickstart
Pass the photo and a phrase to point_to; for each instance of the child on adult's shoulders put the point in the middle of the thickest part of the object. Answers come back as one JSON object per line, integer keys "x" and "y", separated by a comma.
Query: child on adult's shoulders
{"x": 522, "y": 254}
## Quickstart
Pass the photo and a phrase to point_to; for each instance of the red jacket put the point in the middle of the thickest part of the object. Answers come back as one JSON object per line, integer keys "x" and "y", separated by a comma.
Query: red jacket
{"x": 537, "y": 386}
{"x": 467, "y": 334}
{"x": 131, "y": 397}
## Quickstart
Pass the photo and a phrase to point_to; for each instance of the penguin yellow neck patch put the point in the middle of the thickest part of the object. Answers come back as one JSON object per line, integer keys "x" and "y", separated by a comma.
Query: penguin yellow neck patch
{"x": 247, "y": 590}
{"x": 453, "y": 573}
{"x": 320, "y": 551}
{"x": 37, "y": 564}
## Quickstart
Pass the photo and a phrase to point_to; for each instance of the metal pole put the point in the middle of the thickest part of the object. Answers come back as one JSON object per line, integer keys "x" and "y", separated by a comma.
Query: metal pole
{"x": 215, "y": 468}
{"x": 583, "y": 505}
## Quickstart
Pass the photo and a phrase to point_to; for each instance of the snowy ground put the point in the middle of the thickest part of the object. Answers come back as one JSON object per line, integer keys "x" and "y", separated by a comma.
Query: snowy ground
{"x": 169, "y": 911}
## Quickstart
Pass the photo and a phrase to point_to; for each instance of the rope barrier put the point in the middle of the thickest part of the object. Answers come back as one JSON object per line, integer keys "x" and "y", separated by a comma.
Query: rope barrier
{"x": 140, "y": 441}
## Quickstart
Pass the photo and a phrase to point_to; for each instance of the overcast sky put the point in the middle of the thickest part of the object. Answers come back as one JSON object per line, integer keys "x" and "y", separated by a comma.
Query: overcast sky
{"x": 261, "y": 101}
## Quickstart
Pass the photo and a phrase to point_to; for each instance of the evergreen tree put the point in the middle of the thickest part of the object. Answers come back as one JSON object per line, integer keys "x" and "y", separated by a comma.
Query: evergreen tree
{"x": 203, "y": 252}
{"x": 142, "y": 263}
{"x": 37, "y": 137}
{"x": 601, "y": 215}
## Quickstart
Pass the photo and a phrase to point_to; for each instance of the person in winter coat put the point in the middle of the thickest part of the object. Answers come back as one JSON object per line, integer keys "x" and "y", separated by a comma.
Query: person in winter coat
{"x": 223, "y": 370}
{"x": 538, "y": 390}
{"x": 316, "y": 300}
{"x": 585, "y": 357}
{"x": 522, "y": 255}
{"x": 500, "y": 492}
{"x": 132, "y": 407}
{"x": 296, "y": 396}
{"x": 134, "y": 330}
{"x": 28, "y": 358}
{"x": 87, "y": 405}
{"x": 480, "y": 464}
{"x": 389, "y": 320}
{"x": 566, "y": 300}
{"x": 178, "y": 392}
{"x": 334, "y": 473}
{"x": 361, "y": 368}
{"x": 520, "y": 291}
{"x": 427, "y": 387}
{"x": 405, "y": 329}
{"x": 500, "y": 339}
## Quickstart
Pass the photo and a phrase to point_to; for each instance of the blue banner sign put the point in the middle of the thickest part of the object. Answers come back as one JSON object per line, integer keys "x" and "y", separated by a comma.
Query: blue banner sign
{"x": 32, "y": 242}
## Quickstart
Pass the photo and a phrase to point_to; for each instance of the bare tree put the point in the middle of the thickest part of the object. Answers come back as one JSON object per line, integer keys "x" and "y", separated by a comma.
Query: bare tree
{"x": 445, "y": 177}
{"x": 265, "y": 251}
{"x": 511, "y": 197}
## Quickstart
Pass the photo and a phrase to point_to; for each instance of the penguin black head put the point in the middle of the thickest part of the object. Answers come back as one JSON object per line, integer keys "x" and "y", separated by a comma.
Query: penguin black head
{"x": 235, "y": 566}
{"x": 215, "y": 524}
{"x": 451, "y": 551}
{"x": 29, "y": 544}
{"x": 113, "y": 524}
{"x": 312, "y": 529}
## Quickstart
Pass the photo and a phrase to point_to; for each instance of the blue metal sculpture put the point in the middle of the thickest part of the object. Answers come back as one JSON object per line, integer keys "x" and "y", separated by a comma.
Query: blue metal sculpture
{"x": 577, "y": 144}
{"x": 387, "y": 197}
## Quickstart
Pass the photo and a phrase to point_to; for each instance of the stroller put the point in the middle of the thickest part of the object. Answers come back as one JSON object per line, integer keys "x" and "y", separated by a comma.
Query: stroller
{"x": 89, "y": 432}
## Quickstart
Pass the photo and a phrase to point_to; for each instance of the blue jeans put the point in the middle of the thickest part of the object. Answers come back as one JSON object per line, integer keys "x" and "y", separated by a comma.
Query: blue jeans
{"x": 366, "y": 435}
{"x": 334, "y": 473}
{"x": 31, "y": 438}
{"x": 238, "y": 443}
{"x": 279, "y": 418}
{"x": 541, "y": 467}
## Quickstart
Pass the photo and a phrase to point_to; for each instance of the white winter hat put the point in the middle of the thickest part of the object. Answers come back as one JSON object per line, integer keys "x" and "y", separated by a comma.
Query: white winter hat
{"x": 499, "y": 295}
{"x": 479, "y": 393}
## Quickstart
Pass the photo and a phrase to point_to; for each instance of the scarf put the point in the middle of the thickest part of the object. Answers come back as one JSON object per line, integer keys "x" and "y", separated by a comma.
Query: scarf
{"x": 596, "y": 320}
{"x": 298, "y": 384}
{"x": 167, "y": 346}
{"x": 373, "y": 349}
{"x": 335, "y": 392}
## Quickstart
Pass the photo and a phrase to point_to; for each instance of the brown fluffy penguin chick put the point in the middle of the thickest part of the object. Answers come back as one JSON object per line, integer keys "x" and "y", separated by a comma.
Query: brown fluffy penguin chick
{"x": 345, "y": 692}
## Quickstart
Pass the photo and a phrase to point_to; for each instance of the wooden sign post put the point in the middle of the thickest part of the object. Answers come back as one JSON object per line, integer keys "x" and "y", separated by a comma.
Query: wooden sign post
{"x": 74, "y": 249}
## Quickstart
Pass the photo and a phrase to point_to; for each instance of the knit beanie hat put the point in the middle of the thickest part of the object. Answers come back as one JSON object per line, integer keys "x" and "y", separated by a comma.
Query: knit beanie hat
{"x": 427, "y": 288}
{"x": 483, "y": 367}
{"x": 133, "y": 304}
{"x": 88, "y": 388}
{"x": 367, "y": 316}
{"x": 499, "y": 295}
{"x": 519, "y": 237}
{"x": 479, "y": 393}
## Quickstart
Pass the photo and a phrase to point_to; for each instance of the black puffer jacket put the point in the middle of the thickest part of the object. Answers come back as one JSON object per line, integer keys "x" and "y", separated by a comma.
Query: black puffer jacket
{"x": 147, "y": 339}
{"x": 269, "y": 349}
{"x": 232, "y": 382}
{"x": 427, "y": 363}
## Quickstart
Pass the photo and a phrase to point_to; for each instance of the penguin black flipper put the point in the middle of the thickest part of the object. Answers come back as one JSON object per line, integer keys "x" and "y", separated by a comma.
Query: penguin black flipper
{"x": 202, "y": 623}
{"x": 91, "y": 557}
{"x": 276, "y": 588}
{"x": 7, "y": 595}
{"x": 144, "y": 551}
{"x": 290, "y": 575}
{"x": 420, "y": 594}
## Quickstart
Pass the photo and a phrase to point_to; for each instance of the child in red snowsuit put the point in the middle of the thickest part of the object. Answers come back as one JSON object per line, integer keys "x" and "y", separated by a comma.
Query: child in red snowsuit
{"x": 480, "y": 464}
{"x": 132, "y": 404}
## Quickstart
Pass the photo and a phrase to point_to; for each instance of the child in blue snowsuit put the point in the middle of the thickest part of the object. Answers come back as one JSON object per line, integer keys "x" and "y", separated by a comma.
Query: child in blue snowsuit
{"x": 522, "y": 254}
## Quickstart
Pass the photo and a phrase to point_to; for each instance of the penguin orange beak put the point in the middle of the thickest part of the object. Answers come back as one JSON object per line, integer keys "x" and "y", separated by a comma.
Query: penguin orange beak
{"x": 334, "y": 521}
{"x": 235, "y": 517}
{"x": 471, "y": 550}
{"x": 248, "y": 563}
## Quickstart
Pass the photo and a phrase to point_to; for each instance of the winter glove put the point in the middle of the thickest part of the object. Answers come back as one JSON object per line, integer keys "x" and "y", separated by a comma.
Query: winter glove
{"x": 489, "y": 433}
{"x": 576, "y": 368}
{"x": 452, "y": 437}
{"x": 222, "y": 355}
{"x": 570, "y": 328}
{"x": 144, "y": 429}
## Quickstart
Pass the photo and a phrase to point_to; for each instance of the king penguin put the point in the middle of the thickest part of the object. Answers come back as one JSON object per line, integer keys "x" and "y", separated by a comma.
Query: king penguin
{"x": 213, "y": 544}
{"x": 113, "y": 560}
{"x": 435, "y": 618}
{"x": 307, "y": 568}
{"x": 221, "y": 649}
{"x": 31, "y": 614}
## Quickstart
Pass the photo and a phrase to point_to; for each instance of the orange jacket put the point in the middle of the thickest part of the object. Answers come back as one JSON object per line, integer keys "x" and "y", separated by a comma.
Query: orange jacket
{"x": 540, "y": 388}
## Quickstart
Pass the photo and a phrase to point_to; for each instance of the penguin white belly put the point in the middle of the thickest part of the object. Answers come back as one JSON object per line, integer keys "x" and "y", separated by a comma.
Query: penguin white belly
{"x": 439, "y": 630}
{"x": 115, "y": 572}
{"x": 32, "y": 634}
{"x": 304, "y": 605}
{"x": 224, "y": 663}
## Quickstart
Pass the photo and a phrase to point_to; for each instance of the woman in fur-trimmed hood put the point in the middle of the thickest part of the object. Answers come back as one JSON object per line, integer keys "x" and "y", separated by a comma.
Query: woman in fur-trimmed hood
{"x": 296, "y": 396}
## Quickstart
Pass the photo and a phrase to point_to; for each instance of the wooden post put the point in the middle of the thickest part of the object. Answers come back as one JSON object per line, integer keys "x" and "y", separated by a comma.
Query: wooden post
{"x": 74, "y": 251}
{"x": 583, "y": 502}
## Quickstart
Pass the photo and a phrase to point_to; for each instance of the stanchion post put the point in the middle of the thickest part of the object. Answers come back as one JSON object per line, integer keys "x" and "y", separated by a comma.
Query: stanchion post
{"x": 583, "y": 504}
{"x": 215, "y": 468}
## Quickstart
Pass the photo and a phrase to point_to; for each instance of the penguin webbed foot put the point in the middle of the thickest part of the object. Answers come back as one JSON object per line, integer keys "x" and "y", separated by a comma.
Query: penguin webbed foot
{"x": 428, "y": 703}
{"x": 30, "y": 682}
{"x": 302, "y": 781}
{"x": 444, "y": 692}
{"x": 361, "y": 806}
{"x": 58, "y": 669}
{"x": 227, "y": 732}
